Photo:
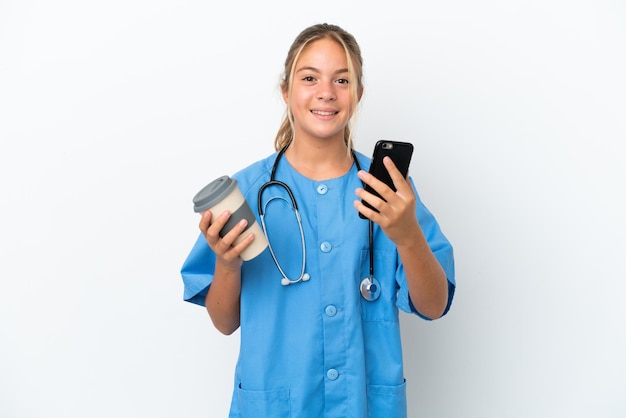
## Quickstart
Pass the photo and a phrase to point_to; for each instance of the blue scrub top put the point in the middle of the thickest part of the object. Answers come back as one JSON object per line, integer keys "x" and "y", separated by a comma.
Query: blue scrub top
{"x": 317, "y": 348}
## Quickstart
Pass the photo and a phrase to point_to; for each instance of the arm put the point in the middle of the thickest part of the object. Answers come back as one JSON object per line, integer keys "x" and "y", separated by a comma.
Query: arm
{"x": 223, "y": 298}
{"x": 428, "y": 285}
{"x": 427, "y": 282}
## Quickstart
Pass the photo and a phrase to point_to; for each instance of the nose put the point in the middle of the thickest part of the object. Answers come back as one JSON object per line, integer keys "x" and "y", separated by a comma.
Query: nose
{"x": 326, "y": 91}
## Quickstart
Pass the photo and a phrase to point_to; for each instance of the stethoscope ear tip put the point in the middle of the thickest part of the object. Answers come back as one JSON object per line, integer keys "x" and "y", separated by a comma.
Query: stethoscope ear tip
{"x": 285, "y": 280}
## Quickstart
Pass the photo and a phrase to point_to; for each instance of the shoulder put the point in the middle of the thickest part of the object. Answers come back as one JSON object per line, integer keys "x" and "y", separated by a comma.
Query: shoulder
{"x": 254, "y": 175}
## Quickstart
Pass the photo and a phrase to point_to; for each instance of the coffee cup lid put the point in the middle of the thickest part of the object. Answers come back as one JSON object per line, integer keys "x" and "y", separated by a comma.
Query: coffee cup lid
{"x": 213, "y": 193}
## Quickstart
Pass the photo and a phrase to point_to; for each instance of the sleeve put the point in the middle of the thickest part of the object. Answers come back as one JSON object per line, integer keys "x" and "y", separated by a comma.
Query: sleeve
{"x": 197, "y": 272}
{"x": 198, "y": 269}
{"x": 441, "y": 248}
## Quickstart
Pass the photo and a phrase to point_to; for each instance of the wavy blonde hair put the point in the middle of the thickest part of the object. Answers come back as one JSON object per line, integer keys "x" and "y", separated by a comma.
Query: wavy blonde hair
{"x": 285, "y": 134}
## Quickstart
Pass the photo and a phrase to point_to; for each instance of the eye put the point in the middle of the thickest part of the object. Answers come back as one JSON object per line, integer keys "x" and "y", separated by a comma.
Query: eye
{"x": 343, "y": 81}
{"x": 308, "y": 79}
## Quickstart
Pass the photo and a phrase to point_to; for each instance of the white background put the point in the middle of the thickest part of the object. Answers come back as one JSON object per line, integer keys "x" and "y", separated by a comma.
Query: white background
{"x": 113, "y": 114}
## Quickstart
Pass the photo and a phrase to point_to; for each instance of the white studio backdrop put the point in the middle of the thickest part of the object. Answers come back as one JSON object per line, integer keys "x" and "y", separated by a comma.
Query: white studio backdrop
{"x": 113, "y": 114}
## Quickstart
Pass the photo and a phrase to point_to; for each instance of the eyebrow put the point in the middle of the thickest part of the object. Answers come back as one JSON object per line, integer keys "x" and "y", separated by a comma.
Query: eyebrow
{"x": 309, "y": 68}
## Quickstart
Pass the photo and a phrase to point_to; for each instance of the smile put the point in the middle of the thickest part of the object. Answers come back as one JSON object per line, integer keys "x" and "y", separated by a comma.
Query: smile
{"x": 323, "y": 113}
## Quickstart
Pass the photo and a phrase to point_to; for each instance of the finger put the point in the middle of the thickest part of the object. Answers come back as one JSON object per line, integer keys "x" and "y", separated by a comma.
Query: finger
{"x": 371, "y": 199}
{"x": 379, "y": 210}
{"x": 242, "y": 240}
{"x": 236, "y": 240}
{"x": 386, "y": 193}
{"x": 399, "y": 181}
{"x": 212, "y": 231}
{"x": 230, "y": 247}
{"x": 205, "y": 221}
{"x": 372, "y": 181}
{"x": 365, "y": 210}
{"x": 377, "y": 217}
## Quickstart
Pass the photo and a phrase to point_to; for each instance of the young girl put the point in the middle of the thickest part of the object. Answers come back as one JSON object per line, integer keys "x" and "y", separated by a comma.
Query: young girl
{"x": 319, "y": 337}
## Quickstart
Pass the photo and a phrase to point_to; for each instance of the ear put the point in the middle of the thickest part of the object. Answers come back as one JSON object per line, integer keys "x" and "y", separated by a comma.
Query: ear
{"x": 360, "y": 93}
{"x": 284, "y": 92}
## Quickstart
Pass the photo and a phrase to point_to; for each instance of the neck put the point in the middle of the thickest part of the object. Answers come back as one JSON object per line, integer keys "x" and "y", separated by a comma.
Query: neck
{"x": 319, "y": 161}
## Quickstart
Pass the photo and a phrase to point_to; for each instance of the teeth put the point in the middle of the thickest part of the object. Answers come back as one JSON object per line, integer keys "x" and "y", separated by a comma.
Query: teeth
{"x": 319, "y": 112}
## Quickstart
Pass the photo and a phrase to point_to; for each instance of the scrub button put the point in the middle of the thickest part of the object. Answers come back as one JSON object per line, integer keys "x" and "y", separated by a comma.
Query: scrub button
{"x": 332, "y": 374}
{"x": 331, "y": 310}
{"x": 322, "y": 189}
{"x": 326, "y": 247}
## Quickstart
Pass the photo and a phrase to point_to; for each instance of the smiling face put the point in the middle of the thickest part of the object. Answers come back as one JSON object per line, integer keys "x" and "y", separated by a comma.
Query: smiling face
{"x": 320, "y": 98}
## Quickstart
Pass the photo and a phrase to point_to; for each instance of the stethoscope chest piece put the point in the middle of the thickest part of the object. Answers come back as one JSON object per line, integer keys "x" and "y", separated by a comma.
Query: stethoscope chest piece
{"x": 370, "y": 289}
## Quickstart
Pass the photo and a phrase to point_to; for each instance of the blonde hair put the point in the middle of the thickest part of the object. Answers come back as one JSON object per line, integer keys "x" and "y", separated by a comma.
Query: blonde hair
{"x": 355, "y": 69}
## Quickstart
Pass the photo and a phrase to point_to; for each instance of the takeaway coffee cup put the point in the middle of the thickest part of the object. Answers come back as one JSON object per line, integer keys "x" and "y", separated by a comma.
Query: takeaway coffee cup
{"x": 224, "y": 194}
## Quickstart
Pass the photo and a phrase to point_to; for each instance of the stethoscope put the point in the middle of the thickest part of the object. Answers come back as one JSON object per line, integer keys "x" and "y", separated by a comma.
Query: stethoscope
{"x": 370, "y": 287}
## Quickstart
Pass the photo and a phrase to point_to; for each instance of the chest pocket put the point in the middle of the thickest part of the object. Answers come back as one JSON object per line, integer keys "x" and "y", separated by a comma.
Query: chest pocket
{"x": 385, "y": 266}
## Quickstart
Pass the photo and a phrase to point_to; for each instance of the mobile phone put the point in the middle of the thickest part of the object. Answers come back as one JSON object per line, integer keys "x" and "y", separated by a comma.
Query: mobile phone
{"x": 400, "y": 153}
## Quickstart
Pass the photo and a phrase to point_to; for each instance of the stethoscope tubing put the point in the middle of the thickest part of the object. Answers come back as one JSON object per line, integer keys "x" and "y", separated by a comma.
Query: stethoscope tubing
{"x": 262, "y": 208}
{"x": 370, "y": 289}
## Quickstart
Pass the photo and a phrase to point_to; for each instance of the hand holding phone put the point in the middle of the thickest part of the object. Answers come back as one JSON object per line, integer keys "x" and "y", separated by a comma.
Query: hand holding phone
{"x": 400, "y": 153}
